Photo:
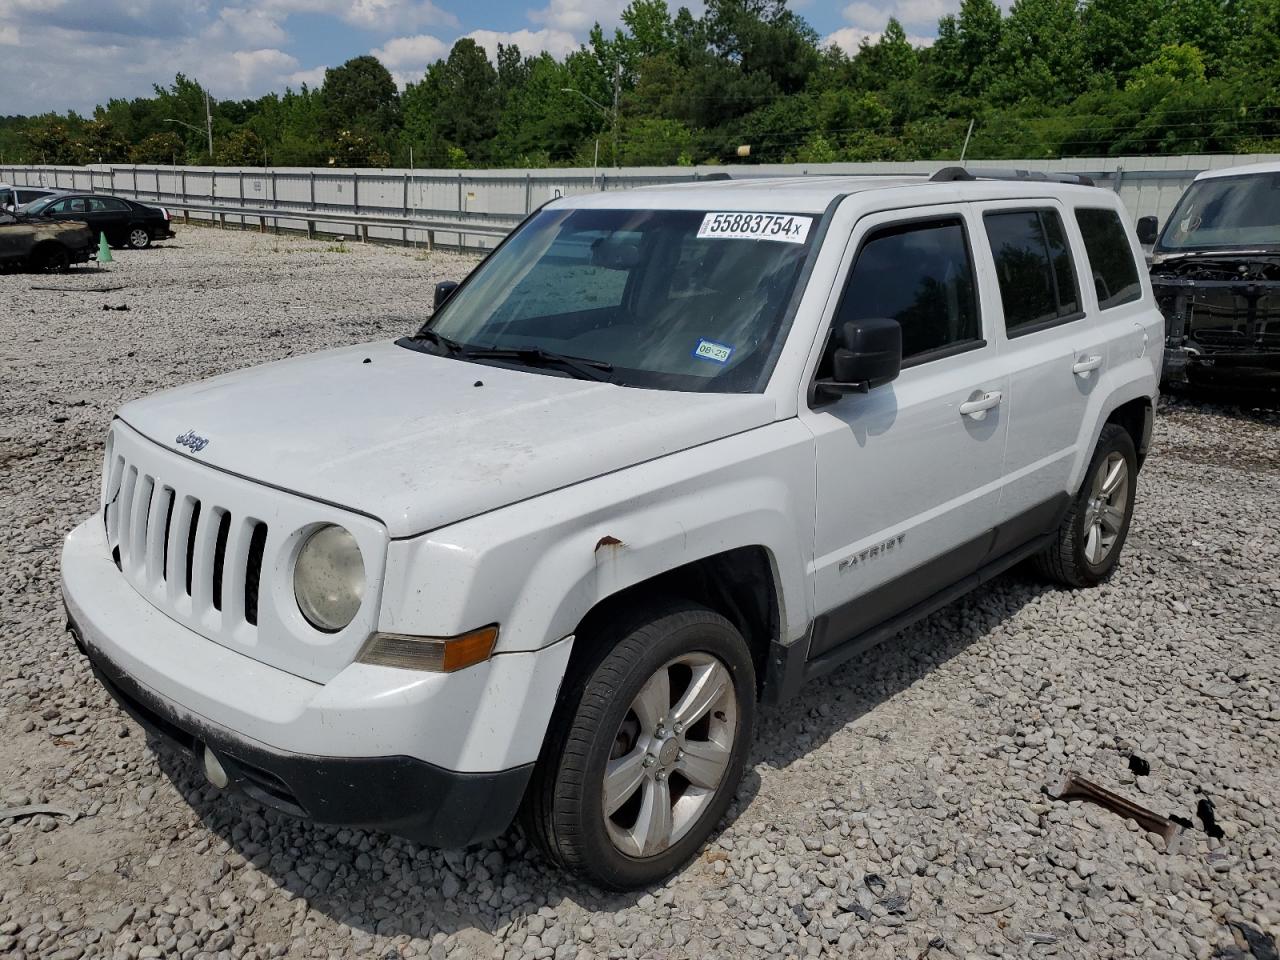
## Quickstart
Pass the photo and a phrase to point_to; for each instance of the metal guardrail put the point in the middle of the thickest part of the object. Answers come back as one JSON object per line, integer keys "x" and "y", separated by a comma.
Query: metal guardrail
{"x": 477, "y": 206}
{"x": 362, "y": 223}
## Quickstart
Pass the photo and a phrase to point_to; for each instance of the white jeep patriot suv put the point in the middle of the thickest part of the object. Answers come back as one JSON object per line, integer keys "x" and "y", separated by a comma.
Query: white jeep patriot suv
{"x": 664, "y": 454}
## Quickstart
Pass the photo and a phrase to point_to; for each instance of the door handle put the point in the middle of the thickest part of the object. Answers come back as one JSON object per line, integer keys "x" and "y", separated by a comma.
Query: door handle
{"x": 977, "y": 407}
{"x": 1085, "y": 365}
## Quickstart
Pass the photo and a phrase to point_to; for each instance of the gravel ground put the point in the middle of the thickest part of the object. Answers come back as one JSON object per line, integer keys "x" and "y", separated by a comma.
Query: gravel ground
{"x": 893, "y": 810}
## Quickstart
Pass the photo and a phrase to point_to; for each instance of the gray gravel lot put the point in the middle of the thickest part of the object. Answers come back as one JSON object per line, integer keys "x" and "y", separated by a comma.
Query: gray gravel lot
{"x": 893, "y": 810}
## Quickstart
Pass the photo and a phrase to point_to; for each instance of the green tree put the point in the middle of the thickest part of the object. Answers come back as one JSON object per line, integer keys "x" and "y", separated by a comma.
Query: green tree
{"x": 243, "y": 148}
{"x": 159, "y": 148}
{"x": 655, "y": 142}
{"x": 50, "y": 140}
{"x": 456, "y": 104}
{"x": 361, "y": 96}
{"x": 1041, "y": 54}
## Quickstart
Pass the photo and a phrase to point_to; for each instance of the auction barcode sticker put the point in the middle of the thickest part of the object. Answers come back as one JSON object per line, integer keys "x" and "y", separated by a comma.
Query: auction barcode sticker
{"x": 786, "y": 227}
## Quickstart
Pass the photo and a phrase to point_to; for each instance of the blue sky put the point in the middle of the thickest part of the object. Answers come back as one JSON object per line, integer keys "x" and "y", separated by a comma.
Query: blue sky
{"x": 72, "y": 54}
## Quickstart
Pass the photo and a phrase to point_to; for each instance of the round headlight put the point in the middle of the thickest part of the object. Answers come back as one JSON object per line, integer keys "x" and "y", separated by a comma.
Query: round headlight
{"x": 328, "y": 579}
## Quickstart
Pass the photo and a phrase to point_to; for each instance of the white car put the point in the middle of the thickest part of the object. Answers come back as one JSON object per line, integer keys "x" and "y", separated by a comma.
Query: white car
{"x": 12, "y": 197}
{"x": 664, "y": 455}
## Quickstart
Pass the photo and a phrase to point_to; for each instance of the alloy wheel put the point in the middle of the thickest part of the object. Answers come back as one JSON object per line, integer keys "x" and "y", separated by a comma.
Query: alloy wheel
{"x": 1104, "y": 515}
{"x": 670, "y": 754}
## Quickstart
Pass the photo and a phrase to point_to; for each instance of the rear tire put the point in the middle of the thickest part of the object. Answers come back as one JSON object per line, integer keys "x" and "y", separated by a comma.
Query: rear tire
{"x": 617, "y": 741}
{"x": 139, "y": 238}
{"x": 1087, "y": 545}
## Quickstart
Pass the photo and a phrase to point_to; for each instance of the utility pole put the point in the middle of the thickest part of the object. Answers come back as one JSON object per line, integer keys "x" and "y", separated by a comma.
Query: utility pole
{"x": 617, "y": 82}
{"x": 208, "y": 119}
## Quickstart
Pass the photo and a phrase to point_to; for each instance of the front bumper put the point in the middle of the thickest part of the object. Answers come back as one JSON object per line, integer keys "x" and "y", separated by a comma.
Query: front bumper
{"x": 399, "y": 795}
{"x": 442, "y": 759}
{"x": 1221, "y": 368}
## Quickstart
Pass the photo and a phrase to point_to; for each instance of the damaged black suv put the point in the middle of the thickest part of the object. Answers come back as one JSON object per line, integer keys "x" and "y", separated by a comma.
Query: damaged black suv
{"x": 1215, "y": 272}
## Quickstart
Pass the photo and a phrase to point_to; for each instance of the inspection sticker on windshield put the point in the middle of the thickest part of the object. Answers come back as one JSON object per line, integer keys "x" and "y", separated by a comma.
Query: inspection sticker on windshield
{"x": 786, "y": 227}
{"x": 710, "y": 350}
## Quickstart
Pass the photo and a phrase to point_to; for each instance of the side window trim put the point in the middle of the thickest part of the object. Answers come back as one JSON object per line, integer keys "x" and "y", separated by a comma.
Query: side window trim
{"x": 1047, "y": 323}
{"x": 878, "y": 230}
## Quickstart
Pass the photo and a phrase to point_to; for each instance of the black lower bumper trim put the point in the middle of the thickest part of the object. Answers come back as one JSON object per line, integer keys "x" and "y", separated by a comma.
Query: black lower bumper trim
{"x": 400, "y": 795}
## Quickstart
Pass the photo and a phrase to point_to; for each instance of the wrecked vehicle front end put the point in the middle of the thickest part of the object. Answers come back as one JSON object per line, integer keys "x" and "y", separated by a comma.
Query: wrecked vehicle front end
{"x": 1215, "y": 272}
{"x": 1222, "y": 318}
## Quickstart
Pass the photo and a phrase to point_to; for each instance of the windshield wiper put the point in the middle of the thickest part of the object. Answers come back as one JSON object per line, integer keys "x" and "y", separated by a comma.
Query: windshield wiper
{"x": 452, "y": 347}
{"x": 584, "y": 368}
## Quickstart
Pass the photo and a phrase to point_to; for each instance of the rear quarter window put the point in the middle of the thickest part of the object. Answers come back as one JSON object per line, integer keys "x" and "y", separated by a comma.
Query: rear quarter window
{"x": 1106, "y": 243}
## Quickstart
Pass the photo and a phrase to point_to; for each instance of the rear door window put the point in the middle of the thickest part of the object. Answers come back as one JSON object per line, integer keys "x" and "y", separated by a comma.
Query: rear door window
{"x": 1106, "y": 243}
{"x": 1034, "y": 268}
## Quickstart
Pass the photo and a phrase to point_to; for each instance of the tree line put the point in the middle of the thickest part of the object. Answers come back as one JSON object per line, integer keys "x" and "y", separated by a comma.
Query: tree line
{"x": 1050, "y": 78}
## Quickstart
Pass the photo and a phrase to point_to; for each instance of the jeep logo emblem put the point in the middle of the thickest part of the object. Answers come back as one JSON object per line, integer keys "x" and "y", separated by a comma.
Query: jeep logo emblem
{"x": 192, "y": 442}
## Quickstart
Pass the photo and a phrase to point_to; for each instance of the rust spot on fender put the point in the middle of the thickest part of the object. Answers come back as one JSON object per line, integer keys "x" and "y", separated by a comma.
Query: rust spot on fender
{"x": 608, "y": 541}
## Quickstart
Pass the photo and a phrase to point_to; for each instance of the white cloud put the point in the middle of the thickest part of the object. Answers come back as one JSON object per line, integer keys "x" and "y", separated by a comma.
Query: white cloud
{"x": 408, "y": 57}
{"x": 378, "y": 15}
{"x": 849, "y": 39}
{"x": 253, "y": 27}
{"x": 313, "y": 78}
{"x": 108, "y": 64}
{"x": 558, "y": 43}
{"x": 921, "y": 15}
{"x": 578, "y": 16}
{"x": 246, "y": 71}
{"x": 9, "y": 36}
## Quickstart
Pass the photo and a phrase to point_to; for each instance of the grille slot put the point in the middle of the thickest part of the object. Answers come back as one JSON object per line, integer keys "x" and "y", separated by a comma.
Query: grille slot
{"x": 220, "y": 557}
{"x": 168, "y": 528}
{"x": 192, "y": 527}
{"x": 253, "y": 572}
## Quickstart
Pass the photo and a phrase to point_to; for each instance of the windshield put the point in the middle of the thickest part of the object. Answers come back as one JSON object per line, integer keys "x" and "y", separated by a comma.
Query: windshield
{"x": 1221, "y": 212}
{"x": 36, "y": 207}
{"x": 672, "y": 299}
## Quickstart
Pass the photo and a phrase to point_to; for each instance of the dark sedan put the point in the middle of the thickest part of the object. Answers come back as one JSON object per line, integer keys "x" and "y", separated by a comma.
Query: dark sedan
{"x": 125, "y": 222}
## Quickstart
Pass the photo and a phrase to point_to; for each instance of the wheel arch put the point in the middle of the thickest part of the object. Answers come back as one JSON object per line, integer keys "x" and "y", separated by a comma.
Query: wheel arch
{"x": 1137, "y": 417}
{"x": 740, "y": 584}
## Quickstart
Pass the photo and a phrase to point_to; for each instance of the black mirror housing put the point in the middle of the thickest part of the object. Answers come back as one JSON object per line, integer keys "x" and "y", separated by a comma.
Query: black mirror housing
{"x": 444, "y": 290}
{"x": 865, "y": 354}
{"x": 1148, "y": 229}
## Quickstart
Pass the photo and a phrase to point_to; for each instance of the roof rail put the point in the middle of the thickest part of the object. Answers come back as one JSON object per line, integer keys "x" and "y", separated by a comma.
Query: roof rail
{"x": 951, "y": 174}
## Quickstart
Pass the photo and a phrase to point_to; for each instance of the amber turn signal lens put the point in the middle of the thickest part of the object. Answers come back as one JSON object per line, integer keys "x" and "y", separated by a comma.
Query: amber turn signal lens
{"x": 436, "y": 654}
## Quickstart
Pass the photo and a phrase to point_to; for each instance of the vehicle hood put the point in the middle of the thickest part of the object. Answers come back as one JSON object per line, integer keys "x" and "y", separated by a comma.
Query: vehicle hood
{"x": 69, "y": 231}
{"x": 420, "y": 441}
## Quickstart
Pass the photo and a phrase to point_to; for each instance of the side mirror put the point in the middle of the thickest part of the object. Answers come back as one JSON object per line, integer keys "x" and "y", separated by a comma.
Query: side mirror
{"x": 864, "y": 354}
{"x": 1148, "y": 229}
{"x": 444, "y": 290}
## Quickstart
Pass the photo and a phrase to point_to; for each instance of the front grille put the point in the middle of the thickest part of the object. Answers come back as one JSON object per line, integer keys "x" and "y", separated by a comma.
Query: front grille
{"x": 195, "y": 558}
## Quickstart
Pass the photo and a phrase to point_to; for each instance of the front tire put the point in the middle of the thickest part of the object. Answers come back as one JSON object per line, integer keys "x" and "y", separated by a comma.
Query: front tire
{"x": 1088, "y": 543}
{"x": 51, "y": 258}
{"x": 646, "y": 749}
{"x": 139, "y": 238}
